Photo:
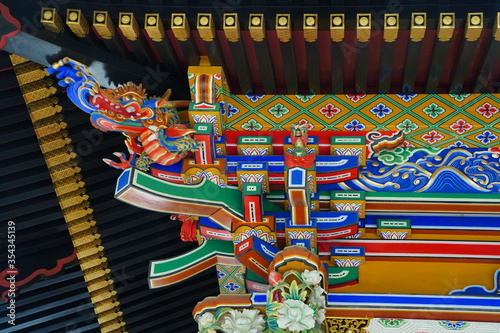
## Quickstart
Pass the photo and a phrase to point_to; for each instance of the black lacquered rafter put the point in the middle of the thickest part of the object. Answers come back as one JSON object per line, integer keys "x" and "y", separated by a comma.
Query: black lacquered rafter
{"x": 290, "y": 71}
{"x": 362, "y": 59}
{"x": 436, "y": 67}
{"x": 312, "y": 56}
{"x": 411, "y": 66}
{"x": 241, "y": 68}
{"x": 265, "y": 66}
{"x": 337, "y": 60}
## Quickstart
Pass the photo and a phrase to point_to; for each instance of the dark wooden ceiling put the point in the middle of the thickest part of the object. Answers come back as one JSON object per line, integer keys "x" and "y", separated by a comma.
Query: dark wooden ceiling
{"x": 458, "y": 63}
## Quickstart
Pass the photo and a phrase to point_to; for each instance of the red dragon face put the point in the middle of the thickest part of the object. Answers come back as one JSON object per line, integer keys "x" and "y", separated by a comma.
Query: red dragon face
{"x": 129, "y": 105}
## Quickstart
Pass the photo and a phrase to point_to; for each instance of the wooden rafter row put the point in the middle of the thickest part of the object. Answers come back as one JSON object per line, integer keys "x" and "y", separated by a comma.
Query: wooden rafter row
{"x": 38, "y": 91}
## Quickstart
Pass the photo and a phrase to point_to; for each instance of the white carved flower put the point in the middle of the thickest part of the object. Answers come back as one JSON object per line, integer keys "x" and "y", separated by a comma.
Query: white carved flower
{"x": 317, "y": 297}
{"x": 321, "y": 316}
{"x": 248, "y": 321}
{"x": 311, "y": 277}
{"x": 295, "y": 315}
{"x": 205, "y": 323}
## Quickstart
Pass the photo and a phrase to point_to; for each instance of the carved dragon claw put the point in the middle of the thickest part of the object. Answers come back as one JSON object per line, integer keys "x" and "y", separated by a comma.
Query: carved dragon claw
{"x": 125, "y": 163}
{"x": 133, "y": 146}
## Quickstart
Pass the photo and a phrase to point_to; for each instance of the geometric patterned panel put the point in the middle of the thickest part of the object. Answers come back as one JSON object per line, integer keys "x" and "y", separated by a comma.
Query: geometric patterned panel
{"x": 231, "y": 279}
{"x": 440, "y": 121}
{"x": 378, "y": 325}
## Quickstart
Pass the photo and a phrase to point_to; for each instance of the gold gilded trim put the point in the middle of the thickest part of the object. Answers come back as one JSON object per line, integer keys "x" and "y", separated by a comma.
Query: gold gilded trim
{"x": 391, "y": 27}
{"x": 346, "y": 325}
{"x": 154, "y": 27}
{"x": 231, "y": 27}
{"x": 128, "y": 25}
{"x": 418, "y": 26}
{"x": 363, "y": 27}
{"x": 51, "y": 20}
{"x": 446, "y": 26}
{"x": 283, "y": 27}
{"x": 77, "y": 22}
{"x": 70, "y": 190}
{"x": 103, "y": 24}
{"x": 337, "y": 27}
{"x": 496, "y": 28}
{"x": 180, "y": 26}
{"x": 205, "y": 26}
{"x": 474, "y": 26}
{"x": 257, "y": 27}
{"x": 310, "y": 26}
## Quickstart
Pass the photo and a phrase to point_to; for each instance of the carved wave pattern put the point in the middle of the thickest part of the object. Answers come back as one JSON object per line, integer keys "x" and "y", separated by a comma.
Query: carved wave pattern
{"x": 451, "y": 171}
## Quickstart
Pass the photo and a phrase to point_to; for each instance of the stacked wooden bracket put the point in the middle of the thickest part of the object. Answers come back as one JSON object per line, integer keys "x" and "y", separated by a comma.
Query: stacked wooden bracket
{"x": 38, "y": 91}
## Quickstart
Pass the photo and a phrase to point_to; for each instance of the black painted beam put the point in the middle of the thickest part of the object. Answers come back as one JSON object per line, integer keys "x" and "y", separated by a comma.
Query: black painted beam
{"x": 312, "y": 58}
{"x": 265, "y": 66}
{"x": 411, "y": 66}
{"x": 362, "y": 59}
{"x": 141, "y": 51}
{"x": 116, "y": 46}
{"x": 241, "y": 68}
{"x": 436, "y": 67}
{"x": 290, "y": 71}
{"x": 464, "y": 63}
{"x": 485, "y": 81}
{"x": 386, "y": 61}
{"x": 190, "y": 51}
{"x": 337, "y": 60}
{"x": 168, "y": 58}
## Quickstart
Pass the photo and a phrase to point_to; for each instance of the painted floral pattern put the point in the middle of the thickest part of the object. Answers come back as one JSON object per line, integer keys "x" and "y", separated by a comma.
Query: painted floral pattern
{"x": 454, "y": 325}
{"x": 232, "y": 287}
{"x": 391, "y": 322}
{"x": 486, "y": 137}
{"x": 407, "y": 126}
{"x": 231, "y": 110}
{"x": 356, "y": 98}
{"x": 487, "y": 110}
{"x": 459, "y": 97}
{"x": 354, "y": 126}
{"x": 381, "y": 110}
{"x": 329, "y": 110}
{"x": 254, "y": 98}
{"x": 309, "y": 125}
{"x": 278, "y": 110}
{"x": 304, "y": 98}
{"x": 407, "y": 97}
{"x": 458, "y": 144}
{"x": 407, "y": 144}
{"x": 432, "y": 137}
{"x": 461, "y": 126}
{"x": 433, "y": 110}
{"x": 252, "y": 125}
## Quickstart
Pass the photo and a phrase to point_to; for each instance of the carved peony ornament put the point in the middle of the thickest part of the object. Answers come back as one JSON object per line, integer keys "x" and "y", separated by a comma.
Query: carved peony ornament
{"x": 311, "y": 277}
{"x": 296, "y": 316}
{"x": 247, "y": 321}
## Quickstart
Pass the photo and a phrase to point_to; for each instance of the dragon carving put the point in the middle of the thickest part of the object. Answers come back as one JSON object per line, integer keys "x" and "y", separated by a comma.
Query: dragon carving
{"x": 151, "y": 125}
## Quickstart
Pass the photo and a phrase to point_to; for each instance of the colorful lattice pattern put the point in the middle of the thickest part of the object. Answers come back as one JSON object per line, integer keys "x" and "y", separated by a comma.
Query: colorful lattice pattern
{"x": 231, "y": 279}
{"x": 468, "y": 120}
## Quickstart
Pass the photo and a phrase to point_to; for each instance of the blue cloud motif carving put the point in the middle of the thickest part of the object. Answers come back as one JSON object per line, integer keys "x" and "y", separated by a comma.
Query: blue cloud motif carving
{"x": 479, "y": 290}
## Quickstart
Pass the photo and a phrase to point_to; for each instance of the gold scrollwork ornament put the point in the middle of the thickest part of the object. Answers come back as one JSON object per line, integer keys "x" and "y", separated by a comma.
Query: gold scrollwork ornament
{"x": 346, "y": 325}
